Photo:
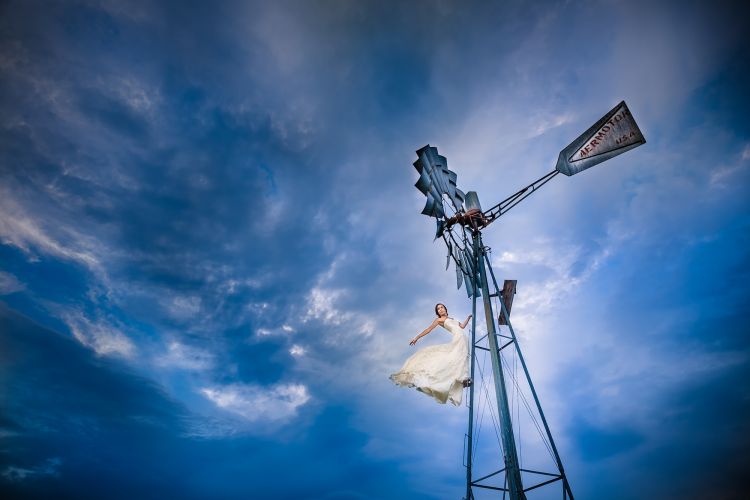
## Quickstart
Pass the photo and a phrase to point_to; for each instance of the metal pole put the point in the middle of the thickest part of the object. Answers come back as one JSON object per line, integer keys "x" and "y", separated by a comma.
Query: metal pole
{"x": 469, "y": 494}
{"x": 512, "y": 469}
{"x": 566, "y": 485}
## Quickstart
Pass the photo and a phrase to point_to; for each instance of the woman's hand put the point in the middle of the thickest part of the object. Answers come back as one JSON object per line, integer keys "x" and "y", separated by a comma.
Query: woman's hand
{"x": 463, "y": 325}
{"x": 413, "y": 341}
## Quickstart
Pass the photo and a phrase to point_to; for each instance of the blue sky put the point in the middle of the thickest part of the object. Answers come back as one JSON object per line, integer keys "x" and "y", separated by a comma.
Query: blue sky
{"x": 211, "y": 252}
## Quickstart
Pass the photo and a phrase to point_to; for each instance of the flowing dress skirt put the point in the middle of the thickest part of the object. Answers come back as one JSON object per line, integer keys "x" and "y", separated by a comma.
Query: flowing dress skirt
{"x": 439, "y": 370}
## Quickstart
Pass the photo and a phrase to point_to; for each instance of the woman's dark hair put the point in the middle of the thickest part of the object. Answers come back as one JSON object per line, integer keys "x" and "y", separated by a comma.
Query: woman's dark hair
{"x": 440, "y": 304}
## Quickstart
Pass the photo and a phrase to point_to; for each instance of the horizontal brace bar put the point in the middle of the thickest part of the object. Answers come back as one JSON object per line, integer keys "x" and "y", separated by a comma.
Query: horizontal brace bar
{"x": 539, "y": 472}
{"x": 489, "y": 487}
{"x": 482, "y": 348}
{"x": 490, "y": 475}
{"x": 506, "y": 345}
{"x": 542, "y": 484}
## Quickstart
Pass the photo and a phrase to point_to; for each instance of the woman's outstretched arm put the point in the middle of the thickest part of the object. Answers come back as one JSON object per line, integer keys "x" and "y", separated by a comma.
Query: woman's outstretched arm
{"x": 463, "y": 325}
{"x": 425, "y": 332}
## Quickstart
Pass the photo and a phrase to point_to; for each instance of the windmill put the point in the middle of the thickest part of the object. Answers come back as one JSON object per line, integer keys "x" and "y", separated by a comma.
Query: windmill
{"x": 460, "y": 221}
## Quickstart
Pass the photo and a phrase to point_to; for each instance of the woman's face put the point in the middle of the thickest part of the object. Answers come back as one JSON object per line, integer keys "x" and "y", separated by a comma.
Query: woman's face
{"x": 441, "y": 310}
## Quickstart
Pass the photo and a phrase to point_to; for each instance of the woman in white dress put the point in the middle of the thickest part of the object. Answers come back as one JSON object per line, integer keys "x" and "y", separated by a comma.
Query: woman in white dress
{"x": 440, "y": 371}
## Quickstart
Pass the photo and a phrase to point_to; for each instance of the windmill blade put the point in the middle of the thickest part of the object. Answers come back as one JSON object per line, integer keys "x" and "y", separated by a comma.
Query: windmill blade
{"x": 436, "y": 179}
{"x": 448, "y": 258}
{"x": 469, "y": 258}
{"x": 457, "y": 256}
{"x": 442, "y": 163}
{"x": 458, "y": 199}
{"x": 440, "y": 229}
{"x": 459, "y": 276}
{"x": 433, "y": 207}
{"x": 422, "y": 163}
{"x": 423, "y": 183}
{"x": 469, "y": 286}
{"x": 452, "y": 186}
{"x": 448, "y": 183}
{"x": 441, "y": 160}
{"x": 470, "y": 276}
{"x": 429, "y": 206}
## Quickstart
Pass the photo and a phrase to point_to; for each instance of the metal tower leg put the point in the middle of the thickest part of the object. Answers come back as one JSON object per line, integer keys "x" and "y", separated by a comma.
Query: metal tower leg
{"x": 566, "y": 485}
{"x": 512, "y": 468}
{"x": 470, "y": 434}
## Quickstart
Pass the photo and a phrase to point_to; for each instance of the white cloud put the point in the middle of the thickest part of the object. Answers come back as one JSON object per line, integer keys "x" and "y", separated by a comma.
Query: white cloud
{"x": 182, "y": 307}
{"x": 551, "y": 122}
{"x": 322, "y": 306}
{"x": 278, "y": 330}
{"x": 103, "y": 338}
{"x": 341, "y": 324}
{"x": 257, "y": 403}
{"x": 232, "y": 286}
{"x": 20, "y": 229}
{"x": 559, "y": 261}
{"x": 297, "y": 350}
{"x": 134, "y": 93}
{"x": 9, "y": 284}
{"x": 724, "y": 176}
{"x": 186, "y": 357}
{"x": 257, "y": 308}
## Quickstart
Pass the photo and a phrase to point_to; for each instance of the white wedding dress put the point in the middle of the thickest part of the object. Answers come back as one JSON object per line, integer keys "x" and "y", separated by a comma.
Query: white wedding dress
{"x": 439, "y": 370}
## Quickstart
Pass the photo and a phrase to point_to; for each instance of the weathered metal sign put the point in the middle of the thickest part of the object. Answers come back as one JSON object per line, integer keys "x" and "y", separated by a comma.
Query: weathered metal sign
{"x": 509, "y": 290}
{"x": 614, "y": 134}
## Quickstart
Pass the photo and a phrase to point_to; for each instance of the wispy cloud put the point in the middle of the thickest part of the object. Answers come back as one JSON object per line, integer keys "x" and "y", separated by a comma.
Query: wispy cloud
{"x": 50, "y": 467}
{"x": 552, "y": 122}
{"x": 101, "y": 337}
{"x": 18, "y": 227}
{"x": 297, "y": 350}
{"x": 283, "y": 330}
{"x": 9, "y": 284}
{"x": 322, "y": 306}
{"x": 183, "y": 307}
{"x": 560, "y": 270}
{"x": 186, "y": 357}
{"x": 276, "y": 403}
{"x": 726, "y": 175}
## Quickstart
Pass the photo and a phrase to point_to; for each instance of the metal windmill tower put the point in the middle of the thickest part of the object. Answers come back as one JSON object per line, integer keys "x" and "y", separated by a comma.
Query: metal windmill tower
{"x": 460, "y": 221}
